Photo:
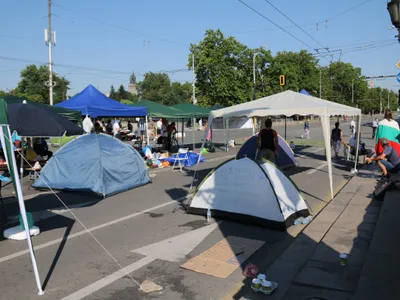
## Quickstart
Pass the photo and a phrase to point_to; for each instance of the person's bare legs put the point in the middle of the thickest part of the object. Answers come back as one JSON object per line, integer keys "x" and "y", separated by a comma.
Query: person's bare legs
{"x": 382, "y": 167}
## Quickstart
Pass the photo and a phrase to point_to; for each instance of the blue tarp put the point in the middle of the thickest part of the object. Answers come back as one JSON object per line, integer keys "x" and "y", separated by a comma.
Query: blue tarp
{"x": 95, "y": 104}
{"x": 304, "y": 92}
{"x": 94, "y": 162}
{"x": 193, "y": 157}
{"x": 285, "y": 157}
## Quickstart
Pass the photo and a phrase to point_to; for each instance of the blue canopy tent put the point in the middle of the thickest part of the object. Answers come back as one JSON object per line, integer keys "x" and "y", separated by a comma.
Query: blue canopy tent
{"x": 304, "y": 92}
{"x": 284, "y": 160}
{"x": 93, "y": 103}
{"x": 94, "y": 162}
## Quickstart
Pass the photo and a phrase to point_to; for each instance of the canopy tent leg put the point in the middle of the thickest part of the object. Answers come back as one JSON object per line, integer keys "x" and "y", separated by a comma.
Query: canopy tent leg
{"x": 354, "y": 171}
{"x": 193, "y": 132}
{"x": 12, "y": 165}
{"x": 201, "y": 150}
{"x": 227, "y": 131}
{"x": 147, "y": 131}
{"x": 254, "y": 125}
{"x": 285, "y": 127}
{"x": 326, "y": 131}
{"x": 226, "y": 137}
{"x": 183, "y": 130}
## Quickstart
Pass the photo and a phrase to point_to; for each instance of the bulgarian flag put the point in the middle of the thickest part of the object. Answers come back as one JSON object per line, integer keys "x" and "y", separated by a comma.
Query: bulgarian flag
{"x": 391, "y": 134}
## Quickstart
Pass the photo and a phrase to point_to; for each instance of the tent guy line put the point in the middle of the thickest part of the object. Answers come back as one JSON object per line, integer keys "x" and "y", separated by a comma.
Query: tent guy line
{"x": 91, "y": 229}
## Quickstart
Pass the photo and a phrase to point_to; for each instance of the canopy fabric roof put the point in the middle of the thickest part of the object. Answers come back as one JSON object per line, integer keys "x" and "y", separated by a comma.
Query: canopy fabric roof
{"x": 95, "y": 104}
{"x": 71, "y": 115}
{"x": 193, "y": 110}
{"x": 158, "y": 110}
{"x": 287, "y": 103}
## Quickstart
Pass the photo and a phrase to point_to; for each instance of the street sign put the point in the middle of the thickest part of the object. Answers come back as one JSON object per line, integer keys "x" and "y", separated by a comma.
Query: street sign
{"x": 398, "y": 77}
{"x": 398, "y": 64}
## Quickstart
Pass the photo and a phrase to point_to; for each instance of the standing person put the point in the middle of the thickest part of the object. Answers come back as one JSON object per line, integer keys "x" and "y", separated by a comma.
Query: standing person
{"x": 209, "y": 134}
{"x": 130, "y": 126}
{"x": 306, "y": 134}
{"x": 336, "y": 139}
{"x": 268, "y": 142}
{"x": 141, "y": 125}
{"x": 109, "y": 126}
{"x": 116, "y": 129}
{"x": 388, "y": 161}
{"x": 171, "y": 129}
{"x": 159, "y": 125}
{"x": 352, "y": 126}
{"x": 200, "y": 123}
{"x": 374, "y": 127}
{"x": 388, "y": 120}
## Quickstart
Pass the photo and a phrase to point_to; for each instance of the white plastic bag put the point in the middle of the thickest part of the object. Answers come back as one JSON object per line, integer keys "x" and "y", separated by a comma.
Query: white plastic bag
{"x": 87, "y": 124}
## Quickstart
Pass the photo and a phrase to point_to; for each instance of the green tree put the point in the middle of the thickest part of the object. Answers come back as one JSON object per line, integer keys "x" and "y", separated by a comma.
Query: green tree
{"x": 33, "y": 85}
{"x": 223, "y": 69}
{"x": 121, "y": 93}
{"x": 155, "y": 87}
{"x": 2, "y": 94}
{"x": 113, "y": 93}
{"x": 300, "y": 69}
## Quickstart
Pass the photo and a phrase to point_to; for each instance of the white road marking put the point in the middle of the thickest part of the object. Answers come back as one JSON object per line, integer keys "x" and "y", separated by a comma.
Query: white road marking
{"x": 95, "y": 286}
{"x": 323, "y": 165}
{"x": 173, "y": 249}
{"x": 94, "y": 228}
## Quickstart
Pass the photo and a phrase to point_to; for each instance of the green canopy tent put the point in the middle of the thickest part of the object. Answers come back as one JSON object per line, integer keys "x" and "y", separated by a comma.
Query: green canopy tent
{"x": 157, "y": 110}
{"x": 194, "y": 111}
{"x": 70, "y": 114}
{"x": 7, "y": 145}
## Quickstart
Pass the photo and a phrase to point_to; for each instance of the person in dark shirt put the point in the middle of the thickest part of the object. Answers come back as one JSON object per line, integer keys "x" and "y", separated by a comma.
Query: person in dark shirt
{"x": 130, "y": 127}
{"x": 388, "y": 161}
{"x": 268, "y": 142}
{"x": 336, "y": 139}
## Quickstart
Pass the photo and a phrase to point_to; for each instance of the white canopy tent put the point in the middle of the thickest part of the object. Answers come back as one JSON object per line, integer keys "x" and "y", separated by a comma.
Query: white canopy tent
{"x": 287, "y": 104}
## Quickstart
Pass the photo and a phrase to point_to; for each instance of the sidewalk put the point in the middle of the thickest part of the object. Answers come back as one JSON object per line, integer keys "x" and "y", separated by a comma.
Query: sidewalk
{"x": 309, "y": 268}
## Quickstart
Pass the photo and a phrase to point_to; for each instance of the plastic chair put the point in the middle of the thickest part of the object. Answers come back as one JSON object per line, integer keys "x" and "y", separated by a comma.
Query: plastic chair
{"x": 180, "y": 158}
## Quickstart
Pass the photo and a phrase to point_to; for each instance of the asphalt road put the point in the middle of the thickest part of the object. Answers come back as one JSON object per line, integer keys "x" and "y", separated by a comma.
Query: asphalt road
{"x": 135, "y": 228}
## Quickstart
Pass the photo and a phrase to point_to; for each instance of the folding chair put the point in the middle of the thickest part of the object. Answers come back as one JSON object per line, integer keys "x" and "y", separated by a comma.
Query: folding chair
{"x": 181, "y": 157}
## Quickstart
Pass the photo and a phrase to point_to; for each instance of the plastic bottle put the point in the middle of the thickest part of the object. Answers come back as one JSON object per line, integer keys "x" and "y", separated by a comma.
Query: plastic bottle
{"x": 208, "y": 215}
{"x": 298, "y": 221}
{"x": 306, "y": 220}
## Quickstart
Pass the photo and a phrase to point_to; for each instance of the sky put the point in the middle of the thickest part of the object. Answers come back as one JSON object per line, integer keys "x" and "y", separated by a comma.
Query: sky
{"x": 101, "y": 42}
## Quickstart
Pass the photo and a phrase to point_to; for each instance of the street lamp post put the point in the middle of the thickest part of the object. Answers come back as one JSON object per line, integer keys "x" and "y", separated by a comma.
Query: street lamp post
{"x": 254, "y": 72}
{"x": 394, "y": 11}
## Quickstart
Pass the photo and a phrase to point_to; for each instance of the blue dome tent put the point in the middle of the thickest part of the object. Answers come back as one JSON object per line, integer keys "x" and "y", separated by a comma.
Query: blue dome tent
{"x": 285, "y": 157}
{"x": 97, "y": 163}
{"x": 304, "y": 92}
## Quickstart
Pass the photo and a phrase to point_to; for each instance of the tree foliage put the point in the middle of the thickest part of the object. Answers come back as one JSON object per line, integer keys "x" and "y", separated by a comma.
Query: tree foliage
{"x": 33, "y": 85}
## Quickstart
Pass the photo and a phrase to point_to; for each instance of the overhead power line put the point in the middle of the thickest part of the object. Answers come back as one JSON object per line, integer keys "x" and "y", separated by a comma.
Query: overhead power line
{"x": 346, "y": 11}
{"x": 280, "y": 27}
{"x": 89, "y": 68}
{"x": 119, "y": 27}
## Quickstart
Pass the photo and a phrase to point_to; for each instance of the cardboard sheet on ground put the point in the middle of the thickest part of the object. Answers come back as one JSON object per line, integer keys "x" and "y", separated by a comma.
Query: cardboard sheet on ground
{"x": 224, "y": 257}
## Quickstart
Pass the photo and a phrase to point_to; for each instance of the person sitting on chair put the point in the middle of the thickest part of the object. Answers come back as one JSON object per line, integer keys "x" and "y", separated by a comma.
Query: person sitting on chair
{"x": 388, "y": 161}
{"x": 41, "y": 148}
{"x": 362, "y": 150}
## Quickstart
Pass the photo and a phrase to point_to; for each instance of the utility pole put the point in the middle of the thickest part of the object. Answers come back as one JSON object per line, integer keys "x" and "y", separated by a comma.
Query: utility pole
{"x": 380, "y": 103}
{"x": 388, "y": 104}
{"x": 320, "y": 83}
{"x": 193, "y": 81}
{"x": 50, "y": 40}
{"x": 254, "y": 76}
{"x": 352, "y": 91}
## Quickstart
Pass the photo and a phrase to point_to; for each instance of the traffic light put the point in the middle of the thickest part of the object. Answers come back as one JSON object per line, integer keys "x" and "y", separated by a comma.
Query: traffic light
{"x": 282, "y": 80}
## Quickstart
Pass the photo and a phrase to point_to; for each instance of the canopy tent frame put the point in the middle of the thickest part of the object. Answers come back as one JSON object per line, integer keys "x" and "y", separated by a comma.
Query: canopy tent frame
{"x": 287, "y": 104}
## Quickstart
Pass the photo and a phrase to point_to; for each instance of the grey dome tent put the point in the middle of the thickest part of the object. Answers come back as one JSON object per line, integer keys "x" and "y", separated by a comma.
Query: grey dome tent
{"x": 248, "y": 192}
{"x": 94, "y": 162}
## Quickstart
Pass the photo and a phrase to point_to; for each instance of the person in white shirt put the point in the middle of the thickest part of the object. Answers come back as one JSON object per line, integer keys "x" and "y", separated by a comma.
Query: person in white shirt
{"x": 159, "y": 125}
{"x": 200, "y": 124}
{"x": 388, "y": 120}
{"x": 362, "y": 150}
{"x": 374, "y": 127}
{"x": 116, "y": 129}
{"x": 352, "y": 127}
